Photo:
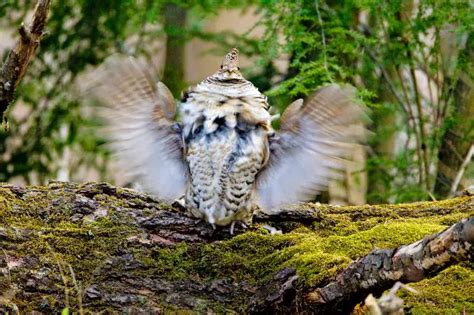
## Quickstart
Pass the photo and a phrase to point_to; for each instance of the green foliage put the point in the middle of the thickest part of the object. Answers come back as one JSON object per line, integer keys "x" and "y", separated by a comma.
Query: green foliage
{"x": 326, "y": 41}
{"x": 80, "y": 34}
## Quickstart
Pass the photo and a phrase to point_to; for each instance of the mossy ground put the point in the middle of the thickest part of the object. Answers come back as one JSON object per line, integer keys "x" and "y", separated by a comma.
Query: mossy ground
{"x": 317, "y": 252}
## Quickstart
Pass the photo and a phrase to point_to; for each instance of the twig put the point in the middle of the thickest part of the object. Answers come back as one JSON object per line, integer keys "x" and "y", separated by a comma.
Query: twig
{"x": 14, "y": 68}
{"x": 388, "y": 303}
{"x": 323, "y": 39}
{"x": 415, "y": 127}
{"x": 9, "y": 277}
{"x": 78, "y": 289}
{"x": 439, "y": 85}
{"x": 424, "y": 65}
{"x": 386, "y": 77}
{"x": 462, "y": 168}
{"x": 450, "y": 144}
{"x": 421, "y": 124}
{"x": 62, "y": 274}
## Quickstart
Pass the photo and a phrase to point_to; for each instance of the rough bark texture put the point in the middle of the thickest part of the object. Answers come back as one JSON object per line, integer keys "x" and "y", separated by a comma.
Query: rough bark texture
{"x": 14, "y": 67}
{"x": 95, "y": 247}
{"x": 382, "y": 268}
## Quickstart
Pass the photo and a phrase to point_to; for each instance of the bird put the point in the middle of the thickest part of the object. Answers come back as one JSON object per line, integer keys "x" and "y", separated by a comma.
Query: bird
{"x": 216, "y": 147}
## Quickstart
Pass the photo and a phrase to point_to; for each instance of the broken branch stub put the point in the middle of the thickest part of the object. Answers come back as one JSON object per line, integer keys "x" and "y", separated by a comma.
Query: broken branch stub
{"x": 18, "y": 59}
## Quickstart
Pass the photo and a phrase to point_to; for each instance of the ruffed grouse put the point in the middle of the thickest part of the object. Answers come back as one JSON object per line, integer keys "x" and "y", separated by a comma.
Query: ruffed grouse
{"x": 223, "y": 154}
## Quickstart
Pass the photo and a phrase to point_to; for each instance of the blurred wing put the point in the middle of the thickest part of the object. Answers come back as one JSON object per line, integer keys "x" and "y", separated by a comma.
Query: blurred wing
{"x": 310, "y": 148}
{"x": 140, "y": 118}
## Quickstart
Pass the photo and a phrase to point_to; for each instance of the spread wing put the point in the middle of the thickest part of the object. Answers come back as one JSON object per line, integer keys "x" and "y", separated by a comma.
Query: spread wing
{"x": 310, "y": 147}
{"x": 139, "y": 116}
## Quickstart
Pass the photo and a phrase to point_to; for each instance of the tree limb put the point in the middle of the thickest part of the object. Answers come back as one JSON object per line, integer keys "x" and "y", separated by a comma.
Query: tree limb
{"x": 14, "y": 67}
{"x": 95, "y": 247}
{"x": 310, "y": 213}
{"x": 381, "y": 269}
{"x": 461, "y": 170}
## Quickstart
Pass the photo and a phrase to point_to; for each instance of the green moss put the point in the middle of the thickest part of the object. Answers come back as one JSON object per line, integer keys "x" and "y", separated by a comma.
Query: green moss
{"x": 172, "y": 263}
{"x": 5, "y": 204}
{"x": 255, "y": 256}
{"x": 318, "y": 252}
{"x": 450, "y": 292}
{"x": 40, "y": 220}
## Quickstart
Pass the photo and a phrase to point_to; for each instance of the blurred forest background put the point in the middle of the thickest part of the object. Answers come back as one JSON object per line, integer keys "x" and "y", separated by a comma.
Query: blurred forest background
{"x": 412, "y": 62}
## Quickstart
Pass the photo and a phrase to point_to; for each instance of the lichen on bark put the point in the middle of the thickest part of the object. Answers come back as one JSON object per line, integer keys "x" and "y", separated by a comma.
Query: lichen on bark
{"x": 97, "y": 247}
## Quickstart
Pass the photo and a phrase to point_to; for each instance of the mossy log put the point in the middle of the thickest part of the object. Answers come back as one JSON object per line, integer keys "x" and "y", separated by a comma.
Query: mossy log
{"x": 98, "y": 248}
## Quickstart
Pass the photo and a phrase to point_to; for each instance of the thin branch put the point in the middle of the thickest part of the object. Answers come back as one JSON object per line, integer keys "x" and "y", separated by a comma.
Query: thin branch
{"x": 391, "y": 87}
{"x": 405, "y": 106}
{"x": 462, "y": 168}
{"x": 323, "y": 39}
{"x": 78, "y": 289}
{"x": 421, "y": 117}
{"x": 14, "y": 68}
{"x": 425, "y": 66}
{"x": 415, "y": 126}
{"x": 439, "y": 64}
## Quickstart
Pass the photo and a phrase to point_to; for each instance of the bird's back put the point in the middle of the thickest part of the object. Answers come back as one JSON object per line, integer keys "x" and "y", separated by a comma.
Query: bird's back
{"x": 226, "y": 144}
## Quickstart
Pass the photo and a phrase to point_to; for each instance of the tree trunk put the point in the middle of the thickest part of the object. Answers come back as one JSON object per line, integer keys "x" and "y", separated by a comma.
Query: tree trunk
{"x": 175, "y": 21}
{"x": 457, "y": 140}
{"x": 95, "y": 247}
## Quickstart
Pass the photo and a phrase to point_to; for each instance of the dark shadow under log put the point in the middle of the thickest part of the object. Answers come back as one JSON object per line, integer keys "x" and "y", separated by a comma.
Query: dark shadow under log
{"x": 95, "y": 247}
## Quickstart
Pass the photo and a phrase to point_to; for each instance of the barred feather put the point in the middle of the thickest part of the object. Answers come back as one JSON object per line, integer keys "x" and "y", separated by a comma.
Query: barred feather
{"x": 310, "y": 148}
{"x": 139, "y": 116}
{"x": 223, "y": 156}
{"x": 226, "y": 127}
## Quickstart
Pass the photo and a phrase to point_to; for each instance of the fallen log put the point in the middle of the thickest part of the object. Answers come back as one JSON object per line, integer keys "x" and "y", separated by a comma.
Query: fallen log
{"x": 95, "y": 247}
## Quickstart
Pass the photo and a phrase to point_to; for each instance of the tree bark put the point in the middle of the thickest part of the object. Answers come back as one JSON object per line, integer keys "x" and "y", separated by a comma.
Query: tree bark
{"x": 457, "y": 140}
{"x": 14, "y": 67}
{"x": 95, "y": 247}
{"x": 175, "y": 22}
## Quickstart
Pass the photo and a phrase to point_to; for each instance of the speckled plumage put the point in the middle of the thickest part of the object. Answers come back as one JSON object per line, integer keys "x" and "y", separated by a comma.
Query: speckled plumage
{"x": 225, "y": 133}
{"x": 223, "y": 155}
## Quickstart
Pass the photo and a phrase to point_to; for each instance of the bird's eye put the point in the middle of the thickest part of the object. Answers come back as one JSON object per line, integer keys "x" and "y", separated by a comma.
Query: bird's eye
{"x": 198, "y": 130}
{"x": 222, "y": 66}
{"x": 238, "y": 68}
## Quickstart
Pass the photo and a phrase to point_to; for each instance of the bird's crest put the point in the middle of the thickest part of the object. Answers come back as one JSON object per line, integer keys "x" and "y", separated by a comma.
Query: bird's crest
{"x": 230, "y": 67}
{"x": 231, "y": 60}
